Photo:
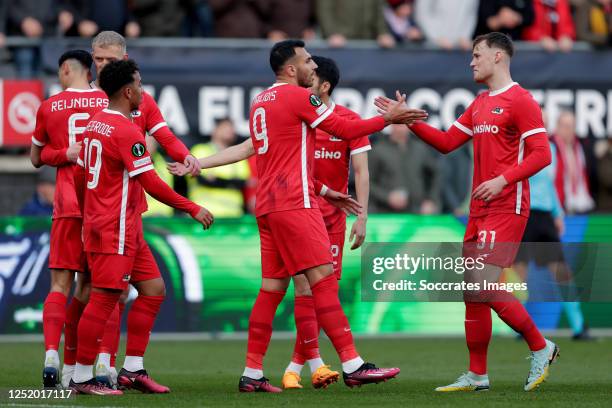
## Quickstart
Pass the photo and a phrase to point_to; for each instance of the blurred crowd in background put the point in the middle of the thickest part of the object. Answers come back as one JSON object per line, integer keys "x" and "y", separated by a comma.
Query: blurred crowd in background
{"x": 426, "y": 182}
{"x": 449, "y": 24}
{"x": 406, "y": 175}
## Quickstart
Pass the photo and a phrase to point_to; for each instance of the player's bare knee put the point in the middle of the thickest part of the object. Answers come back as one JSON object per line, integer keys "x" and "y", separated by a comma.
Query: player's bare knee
{"x": 125, "y": 294}
{"x": 275, "y": 285}
{"x": 301, "y": 287}
{"x": 61, "y": 281}
{"x": 82, "y": 290}
{"x": 318, "y": 272}
{"x": 151, "y": 287}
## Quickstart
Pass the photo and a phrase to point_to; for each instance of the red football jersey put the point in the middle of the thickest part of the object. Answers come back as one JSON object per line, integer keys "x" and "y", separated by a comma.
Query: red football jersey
{"x": 282, "y": 122}
{"x": 60, "y": 122}
{"x": 113, "y": 152}
{"x": 332, "y": 158}
{"x": 499, "y": 122}
{"x": 148, "y": 116}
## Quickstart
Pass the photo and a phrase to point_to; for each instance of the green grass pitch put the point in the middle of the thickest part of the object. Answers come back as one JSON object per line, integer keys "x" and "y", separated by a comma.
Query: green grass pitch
{"x": 205, "y": 373}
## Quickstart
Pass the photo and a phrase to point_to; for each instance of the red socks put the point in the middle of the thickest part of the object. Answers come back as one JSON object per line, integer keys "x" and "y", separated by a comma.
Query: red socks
{"x": 478, "y": 325}
{"x": 54, "y": 317}
{"x": 92, "y": 324}
{"x": 260, "y": 326}
{"x": 478, "y": 329}
{"x": 332, "y": 319}
{"x": 73, "y": 315}
{"x": 112, "y": 333}
{"x": 514, "y": 314}
{"x": 307, "y": 340}
{"x": 140, "y": 323}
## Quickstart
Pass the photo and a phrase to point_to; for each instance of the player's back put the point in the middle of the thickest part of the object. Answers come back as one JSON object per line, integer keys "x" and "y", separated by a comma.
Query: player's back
{"x": 283, "y": 138}
{"x": 60, "y": 122}
{"x": 113, "y": 200}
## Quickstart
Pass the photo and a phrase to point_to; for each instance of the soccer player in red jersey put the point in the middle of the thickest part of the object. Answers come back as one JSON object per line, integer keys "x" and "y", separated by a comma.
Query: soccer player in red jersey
{"x": 294, "y": 241}
{"x": 60, "y": 122}
{"x": 332, "y": 157}
{"x": 331, "y": 168}
{"x": 117, "y": 168}
{"x": 110, "y": 46}
{"x": 510, "y": 145}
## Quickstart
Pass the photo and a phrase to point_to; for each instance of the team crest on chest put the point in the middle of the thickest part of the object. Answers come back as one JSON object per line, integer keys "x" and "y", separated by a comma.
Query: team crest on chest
{"x": 498, "y": 110}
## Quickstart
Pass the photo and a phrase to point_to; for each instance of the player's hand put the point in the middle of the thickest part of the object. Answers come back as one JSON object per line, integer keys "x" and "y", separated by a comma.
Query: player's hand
{"x": 358, "y": 232}
{"x": 72, "y": 153}
{"x": 192, "y": 165}
{"x": 178, "y": 169}
{"x": 560, "y": 225}
{"x": 397, "y": 111}
{"x": 489, "y": 189}
{"x": 205, "y": 218}
{"x": 343, "y": 201}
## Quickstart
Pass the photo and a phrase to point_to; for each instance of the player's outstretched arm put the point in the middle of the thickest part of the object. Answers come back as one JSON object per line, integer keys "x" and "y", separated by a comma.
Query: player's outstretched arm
{"x": 230, "y": 155}
{"x": 444, "y": 142}
{"x": 159, "y": 190}
{"x": 396, "y": 112}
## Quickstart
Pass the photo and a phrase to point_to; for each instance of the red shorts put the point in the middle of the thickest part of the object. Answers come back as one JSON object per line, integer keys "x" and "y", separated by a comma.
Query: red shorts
{"x": 66, "y": 248}
{"x": 114, "y": 271}
{"x": 337, "y": 245}
{"x": 292, "y": 241}
{"x": 497, "y": 237}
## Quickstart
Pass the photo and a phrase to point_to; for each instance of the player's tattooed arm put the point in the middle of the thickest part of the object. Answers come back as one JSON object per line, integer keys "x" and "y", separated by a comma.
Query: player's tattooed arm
{"x": 35, "y": 156}
{"x": 230, "y": 155}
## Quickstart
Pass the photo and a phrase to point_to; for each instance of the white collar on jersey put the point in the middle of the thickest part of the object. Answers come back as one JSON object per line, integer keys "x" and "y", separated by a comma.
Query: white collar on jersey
{"x": 277, "y": 84}
{"x": 332, "y": 106}
{"x": 93, "y": 85}
{"x": 114, "y": 112}
{"x": 504, "y": 89}
{"x": 80, "y": 90}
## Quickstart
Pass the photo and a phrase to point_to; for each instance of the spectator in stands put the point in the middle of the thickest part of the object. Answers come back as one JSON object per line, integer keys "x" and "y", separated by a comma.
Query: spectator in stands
{"x": 342, "y": 20}
{"x": 404, "y": 175}
{"x": 34, "y": 19}
{"x": 3, "y": 18}
{"x": 506, "y": 16}
{"x": 240, "y": 18}
{"x": 456, "y": 180}
{"x": 604, "y": 166}
{"x": 553, "y": 26}
{"x": 399, "y": 15}
{"x": 159, "y": 18}
{"x": 594, "y": 21}
{"x": 221, "y": 187}
{"x": 92, "y": 16}
{"x": 447, "y": 23}
{"x": 42, "y": 200}
{"x": 290, "y": 19}
{"x": 200, "y": 20}
{"x": 571, "y": 180}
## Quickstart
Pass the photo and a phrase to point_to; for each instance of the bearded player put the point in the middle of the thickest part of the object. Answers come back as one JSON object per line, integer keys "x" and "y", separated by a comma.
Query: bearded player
{"x": 332, "y": 156}
{"x": 510, "y": 145}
